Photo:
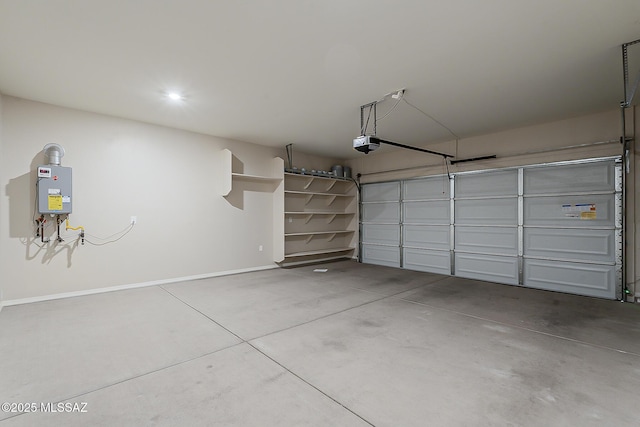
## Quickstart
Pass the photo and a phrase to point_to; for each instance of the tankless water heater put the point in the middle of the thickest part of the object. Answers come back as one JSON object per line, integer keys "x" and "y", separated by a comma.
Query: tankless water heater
{"x": 54, "y": 189}
{"x": 54, "y": 183}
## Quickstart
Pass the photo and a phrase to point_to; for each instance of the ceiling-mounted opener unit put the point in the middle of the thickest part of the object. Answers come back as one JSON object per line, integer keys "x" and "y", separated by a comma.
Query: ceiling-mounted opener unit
{"x": 367, "y": 143}
{"x": 54, "y": 191}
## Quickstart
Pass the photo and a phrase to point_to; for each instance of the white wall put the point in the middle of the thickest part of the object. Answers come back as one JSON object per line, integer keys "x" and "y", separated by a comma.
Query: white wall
{"x": 509, "y": 146}
{"x": 165, "y": 177}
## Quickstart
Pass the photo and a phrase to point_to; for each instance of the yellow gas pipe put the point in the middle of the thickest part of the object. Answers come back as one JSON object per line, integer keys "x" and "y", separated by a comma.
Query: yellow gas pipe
{"x": 68, "y": 227}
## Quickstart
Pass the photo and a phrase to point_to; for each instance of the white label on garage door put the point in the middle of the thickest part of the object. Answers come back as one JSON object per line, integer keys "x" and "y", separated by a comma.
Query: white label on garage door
{"x": 580, "y": 210}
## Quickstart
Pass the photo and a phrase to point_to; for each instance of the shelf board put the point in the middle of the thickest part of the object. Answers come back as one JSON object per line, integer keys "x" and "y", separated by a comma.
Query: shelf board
{"x": 330, "y": 215}
{"x": 318, "y": 252}
{"x": 312, "y": 233}
{"x": 319, "y": 213}
{"x": 331, "y": 197}
{"x": 313, "y": 193}
{"x": 308, "y": 175}
{"x": 254, "y": 178}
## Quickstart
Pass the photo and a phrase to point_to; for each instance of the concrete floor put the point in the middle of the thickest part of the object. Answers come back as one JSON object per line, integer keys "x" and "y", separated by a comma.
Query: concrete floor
{"x": 358, "y": 345}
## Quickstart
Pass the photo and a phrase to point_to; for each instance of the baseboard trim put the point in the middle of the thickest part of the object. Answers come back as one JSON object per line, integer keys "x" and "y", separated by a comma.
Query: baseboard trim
{"x": 30, "y": 300}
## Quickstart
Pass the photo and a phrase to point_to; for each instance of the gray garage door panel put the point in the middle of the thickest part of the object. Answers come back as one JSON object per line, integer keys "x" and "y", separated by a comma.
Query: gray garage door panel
{"x": 381, "y": 255}
{"x": 383, "y": 192}
{"x": 427, "y": 236}
{"x": 576, "y": 278}
{"x": 432, "y": 212}
{"x": 426, "y": 189}
{"x": 380, "y": 227}
{"x": 487, "y": 212}
{"x": 487, "y": 267}
{"x": 569, "y": 238}
{"x": 500, "y": 183}
{"x": 486, "y": 218}
{"x": 570, "y": 211}
{"x": 588, "y": 177}
{"x": 385, "y": 234}
{"x": 427, "y": 260}
{"x": 381, "y": 212}
{"x": 492, "y": 240}
{"x": 570, "y": 244}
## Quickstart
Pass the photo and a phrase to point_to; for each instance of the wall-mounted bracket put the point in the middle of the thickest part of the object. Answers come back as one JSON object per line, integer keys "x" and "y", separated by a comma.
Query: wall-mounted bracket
{"x": 629, "y": 89}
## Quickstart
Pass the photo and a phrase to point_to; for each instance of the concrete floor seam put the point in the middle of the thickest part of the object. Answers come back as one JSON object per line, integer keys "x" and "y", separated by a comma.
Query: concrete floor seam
{"x": 312, "y": 385}
{"x": 404, "y": 290}
{"x": 277, "y": 362}
{"x": 329, "y": 315}
{"x": 201, "y": 313}
{"x": 383, "y": 297}
{"x": 522, "y": 328}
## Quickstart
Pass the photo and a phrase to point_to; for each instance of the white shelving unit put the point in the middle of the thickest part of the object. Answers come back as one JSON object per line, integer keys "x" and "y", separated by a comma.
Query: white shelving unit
{"x": 320, "y": 220}
{"x": 228, "y": 176}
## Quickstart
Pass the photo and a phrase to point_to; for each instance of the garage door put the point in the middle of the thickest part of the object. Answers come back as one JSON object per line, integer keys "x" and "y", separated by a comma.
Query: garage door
{"x": 556, "y": 226}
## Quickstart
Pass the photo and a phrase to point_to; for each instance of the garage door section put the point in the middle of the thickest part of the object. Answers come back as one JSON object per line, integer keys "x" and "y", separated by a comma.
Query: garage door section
{"x": 426, "y": 225}
{"x": 486, "y": 226}
{"x": 572, "y": 228}
{"x": 380, "y": 224}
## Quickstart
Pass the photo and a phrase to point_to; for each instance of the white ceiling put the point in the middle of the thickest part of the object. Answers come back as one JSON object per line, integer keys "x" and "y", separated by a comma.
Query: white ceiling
{"x": 297, "y": 71}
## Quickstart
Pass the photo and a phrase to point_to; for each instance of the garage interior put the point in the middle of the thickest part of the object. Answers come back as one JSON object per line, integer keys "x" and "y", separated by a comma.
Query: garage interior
{"x": 188, "y": 234}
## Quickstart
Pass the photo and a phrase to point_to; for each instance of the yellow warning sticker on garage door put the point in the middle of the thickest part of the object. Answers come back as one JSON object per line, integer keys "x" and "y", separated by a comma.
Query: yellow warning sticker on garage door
{"x": 580, "y": 211}
{"x": 588, "y": 215}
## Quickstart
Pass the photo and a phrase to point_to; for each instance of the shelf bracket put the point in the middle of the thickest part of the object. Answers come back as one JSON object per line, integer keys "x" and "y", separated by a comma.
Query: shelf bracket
{"x": 331, "y": 184}
{"x": 308, "y": 239}
{"x": 331, "y": 200}
{"x": 308, "y": 199}
{"x": 332, "y": 236}
{"x": 308, "y": 184}
{"x": 308, "y": 218}
{"x": 331, "y": 218}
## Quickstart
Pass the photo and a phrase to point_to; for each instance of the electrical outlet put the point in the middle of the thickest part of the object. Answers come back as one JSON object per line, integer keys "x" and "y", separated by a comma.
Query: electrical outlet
{"x": 134, "y": 219}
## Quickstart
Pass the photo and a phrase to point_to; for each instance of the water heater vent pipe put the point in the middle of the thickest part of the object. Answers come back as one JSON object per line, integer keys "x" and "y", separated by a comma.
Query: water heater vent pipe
{"x": 54, "y": 152}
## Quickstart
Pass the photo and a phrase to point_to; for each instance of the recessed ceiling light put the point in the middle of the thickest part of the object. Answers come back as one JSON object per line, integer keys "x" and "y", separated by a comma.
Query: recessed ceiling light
{"x": 175, "y": 96}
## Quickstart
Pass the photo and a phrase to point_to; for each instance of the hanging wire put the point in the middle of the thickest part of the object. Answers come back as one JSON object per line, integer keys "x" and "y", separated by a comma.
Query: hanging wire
{"x": 123, "y": 232}
{"x": 431, "y": 117}
{"x": 392, "y": 108}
